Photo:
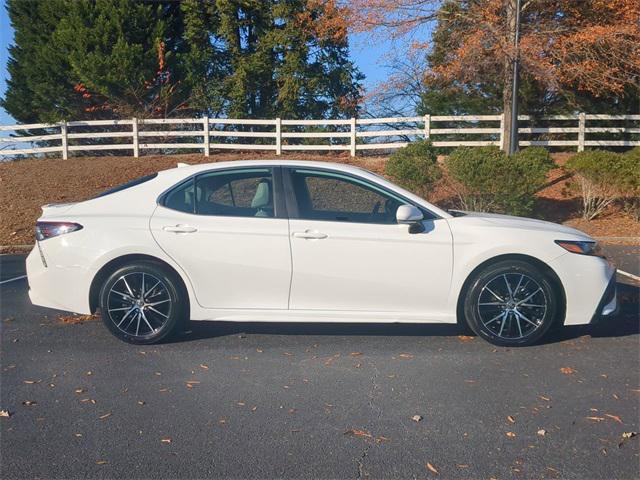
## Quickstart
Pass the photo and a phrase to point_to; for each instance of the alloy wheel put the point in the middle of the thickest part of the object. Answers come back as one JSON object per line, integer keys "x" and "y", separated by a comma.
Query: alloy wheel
{"x": 512, "y": 306}
{"x": 139, "y": 304}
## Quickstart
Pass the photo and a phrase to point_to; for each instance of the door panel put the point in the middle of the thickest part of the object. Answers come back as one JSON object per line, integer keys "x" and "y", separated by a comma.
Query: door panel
{"x": 350, "y": 254}
{"x": 223, "y": 230}
{"x": 232, "y": 262}
{"x": 375, "y": 268}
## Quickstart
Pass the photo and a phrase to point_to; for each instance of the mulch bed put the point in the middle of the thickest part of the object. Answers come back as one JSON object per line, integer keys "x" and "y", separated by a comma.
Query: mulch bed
{"x": 26, "y": 185}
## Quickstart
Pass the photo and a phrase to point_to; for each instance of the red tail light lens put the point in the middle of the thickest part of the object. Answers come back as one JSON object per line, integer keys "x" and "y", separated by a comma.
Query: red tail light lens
{"x": 46, "y": 230}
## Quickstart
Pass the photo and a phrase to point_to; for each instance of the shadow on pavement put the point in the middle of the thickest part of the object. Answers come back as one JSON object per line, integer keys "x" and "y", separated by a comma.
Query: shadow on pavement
{"x": 626, "y": 323}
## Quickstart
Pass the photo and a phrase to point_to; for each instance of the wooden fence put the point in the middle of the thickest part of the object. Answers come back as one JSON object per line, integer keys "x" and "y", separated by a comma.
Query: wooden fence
{"x": 278, "y": 135}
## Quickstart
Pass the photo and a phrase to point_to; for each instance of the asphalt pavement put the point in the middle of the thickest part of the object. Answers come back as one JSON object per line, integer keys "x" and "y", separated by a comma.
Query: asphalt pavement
{"x": 307, "y": 400}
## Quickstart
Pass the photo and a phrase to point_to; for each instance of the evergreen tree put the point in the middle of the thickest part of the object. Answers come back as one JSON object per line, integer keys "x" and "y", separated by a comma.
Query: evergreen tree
{"x": 124, "y": 55}
{"x": 76, "y": 59}
{"x": 40, "y": 83}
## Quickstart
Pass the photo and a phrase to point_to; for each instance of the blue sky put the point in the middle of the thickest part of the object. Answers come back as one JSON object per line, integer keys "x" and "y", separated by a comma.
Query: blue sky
{"x": 368, "y": 59}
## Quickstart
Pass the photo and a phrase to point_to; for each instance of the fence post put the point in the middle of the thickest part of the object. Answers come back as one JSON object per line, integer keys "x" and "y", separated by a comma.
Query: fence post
{"x": 207, "y": 142}
{"x": 582, "y": 120}
{"x": 353, "y": 137}
{"x": 136, "y": 144}
{"x": 278, "y": 136}
{"x": 427, "y": 126}
{"x": 65, "y": 146}
{"x": 502, "y": 131}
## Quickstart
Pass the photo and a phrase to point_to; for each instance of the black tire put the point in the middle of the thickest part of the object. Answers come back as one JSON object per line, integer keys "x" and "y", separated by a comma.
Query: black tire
{"x": 152, "y": 317}
{"x": 511, "y": 303}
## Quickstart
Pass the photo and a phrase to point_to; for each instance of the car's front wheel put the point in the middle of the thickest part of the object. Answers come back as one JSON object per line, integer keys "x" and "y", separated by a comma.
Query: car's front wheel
{"x": 511, "y": 303}
{"x": 142, "y": 303}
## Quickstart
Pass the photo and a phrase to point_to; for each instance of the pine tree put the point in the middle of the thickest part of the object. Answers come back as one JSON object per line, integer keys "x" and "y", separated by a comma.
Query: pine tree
{"x": 40, "y": 84}
{"x": 287, "y": 59}
{"x": 76, "y": 59}
{"x": 124, "y": 55}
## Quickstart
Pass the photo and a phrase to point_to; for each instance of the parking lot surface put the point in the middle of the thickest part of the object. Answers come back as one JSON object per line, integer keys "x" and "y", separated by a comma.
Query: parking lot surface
{"x": 315, "y": 400}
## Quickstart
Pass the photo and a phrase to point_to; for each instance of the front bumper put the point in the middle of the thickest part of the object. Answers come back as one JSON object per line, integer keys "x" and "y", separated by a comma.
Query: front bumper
{"x": 608, "y": 305}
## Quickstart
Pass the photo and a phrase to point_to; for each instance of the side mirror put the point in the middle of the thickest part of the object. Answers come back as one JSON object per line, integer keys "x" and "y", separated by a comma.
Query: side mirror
{"x": 412, "y": 216}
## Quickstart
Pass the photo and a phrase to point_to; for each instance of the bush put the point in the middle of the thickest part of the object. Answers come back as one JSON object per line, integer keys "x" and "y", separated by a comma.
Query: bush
{"x": 486, "y": 179}
{"x": 603, "y": 177}
{"x": 414, "y": 167}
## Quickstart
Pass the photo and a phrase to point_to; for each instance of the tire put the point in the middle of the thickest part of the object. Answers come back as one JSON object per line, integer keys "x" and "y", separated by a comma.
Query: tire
{"x": 511, "y": 303}
{"x": 142, "y": 319}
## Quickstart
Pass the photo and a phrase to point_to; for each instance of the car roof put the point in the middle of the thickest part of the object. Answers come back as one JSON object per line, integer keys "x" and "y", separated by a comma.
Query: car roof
{"x": 191, "y": 169}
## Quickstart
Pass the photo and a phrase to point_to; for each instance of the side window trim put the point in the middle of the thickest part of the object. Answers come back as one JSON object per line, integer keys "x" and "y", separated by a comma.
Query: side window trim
{"x": 279, "y": 204}
{"x": 292, "y": 203}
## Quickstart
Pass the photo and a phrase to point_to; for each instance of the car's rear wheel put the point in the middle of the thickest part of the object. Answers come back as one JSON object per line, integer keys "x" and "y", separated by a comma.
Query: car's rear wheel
{"x": 511, "y": 303}
{"x": 142, "y": 303}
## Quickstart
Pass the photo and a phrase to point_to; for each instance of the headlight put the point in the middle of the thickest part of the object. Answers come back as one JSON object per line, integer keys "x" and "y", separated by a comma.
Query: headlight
{"x": 581, "y": 247}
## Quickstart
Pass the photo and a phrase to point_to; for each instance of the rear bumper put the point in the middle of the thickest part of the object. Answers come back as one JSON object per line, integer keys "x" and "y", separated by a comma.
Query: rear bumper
{"x": 56, "y": 286}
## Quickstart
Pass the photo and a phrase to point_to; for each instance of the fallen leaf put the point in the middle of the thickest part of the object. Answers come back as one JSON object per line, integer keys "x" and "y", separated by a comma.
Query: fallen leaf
{"x": 465, "y": 338}
{"x": 511, "y": 434}
{"x": 166, "y": 440}
{"x": 627, "y": 436}
{"x": 462, "y": 465}
{"x": 568, "y": 370}
{"x": 141, "y": 402}
{"x": 29, "y": 403}
{"x": 106, "y": 415}
{"x": 542, "y": 397}
{"x": 355, "y": 354}
{"x": 78, "y": 434}
{"x": 542, "y": 432}
{"x": 431, "y": 468}
{"x": 613, "y": 417}
{"x": 417, "y": 418}
{"x": 382, "y": 439}
{"x": 405, "y": 355}
{"x": 241, "y": 404}
{"x": 511, "y": 419}
{"x": 101, "y": 462}
{"x": 79, "y": 390}
{"x": 203, "y": 366}
{"x": 358, "y": 433}
{"x": 5, "y": 413}
{"x": 596, "y": 419}
{"x": 76, "y": 319}
{"x": 31, "y": 382}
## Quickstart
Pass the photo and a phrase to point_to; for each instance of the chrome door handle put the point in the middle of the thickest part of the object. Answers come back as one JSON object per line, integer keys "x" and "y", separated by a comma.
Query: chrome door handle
{"x": 309, "y": 235}
{"x": 180, "y": 229}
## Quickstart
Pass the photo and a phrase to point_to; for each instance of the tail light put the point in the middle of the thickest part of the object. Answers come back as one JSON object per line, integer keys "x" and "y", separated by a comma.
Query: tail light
{"x": 46, "y": 230}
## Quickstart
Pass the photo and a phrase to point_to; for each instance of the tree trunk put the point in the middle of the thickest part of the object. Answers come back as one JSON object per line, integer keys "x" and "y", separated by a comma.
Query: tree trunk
{"x": 507, "y": 88}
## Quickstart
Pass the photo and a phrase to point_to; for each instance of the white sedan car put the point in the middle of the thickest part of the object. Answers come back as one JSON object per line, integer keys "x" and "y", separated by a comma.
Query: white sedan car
{"x": 288, "y": 241}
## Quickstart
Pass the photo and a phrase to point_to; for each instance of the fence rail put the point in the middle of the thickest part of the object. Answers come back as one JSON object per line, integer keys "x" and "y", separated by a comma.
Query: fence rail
{"x": 278, "y": 135}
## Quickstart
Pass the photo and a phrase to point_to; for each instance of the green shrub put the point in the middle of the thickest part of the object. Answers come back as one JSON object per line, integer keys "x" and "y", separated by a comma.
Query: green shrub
{"x": 486, "y": 179}
{"x": 602, "y": 177}
{"x": 414, "y": 167}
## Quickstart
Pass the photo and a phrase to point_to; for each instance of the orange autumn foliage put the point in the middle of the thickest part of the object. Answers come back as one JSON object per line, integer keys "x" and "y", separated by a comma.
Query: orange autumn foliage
{"x": 589, "y": 45}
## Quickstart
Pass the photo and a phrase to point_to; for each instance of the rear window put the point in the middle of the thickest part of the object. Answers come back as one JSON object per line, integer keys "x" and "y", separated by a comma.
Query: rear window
{"x": 130, "y": 184}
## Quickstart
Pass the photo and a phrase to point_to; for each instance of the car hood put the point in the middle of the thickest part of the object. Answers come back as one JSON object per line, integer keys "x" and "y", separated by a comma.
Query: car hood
{"x": 521, "y": 223}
